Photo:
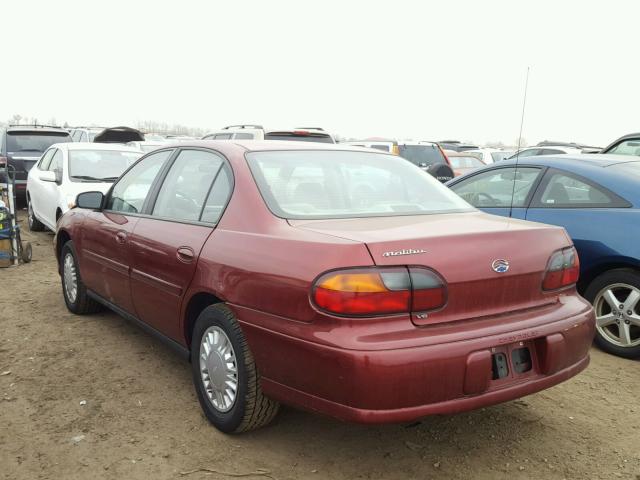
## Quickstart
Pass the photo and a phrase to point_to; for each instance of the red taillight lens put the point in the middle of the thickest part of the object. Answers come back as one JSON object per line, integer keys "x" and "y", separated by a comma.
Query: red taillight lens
{"x": 3, "y": 162}
{"x": 429, "y": 291}
{"x": 563, "y": 269}
{"x": 379, "y": 291}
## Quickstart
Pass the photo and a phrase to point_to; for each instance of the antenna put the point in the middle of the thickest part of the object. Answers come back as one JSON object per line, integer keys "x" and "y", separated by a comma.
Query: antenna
{"x": 515, "y": 173}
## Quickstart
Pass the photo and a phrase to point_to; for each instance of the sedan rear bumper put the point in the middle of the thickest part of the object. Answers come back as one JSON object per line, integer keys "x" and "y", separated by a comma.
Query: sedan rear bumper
{"x": 404, "y": 384}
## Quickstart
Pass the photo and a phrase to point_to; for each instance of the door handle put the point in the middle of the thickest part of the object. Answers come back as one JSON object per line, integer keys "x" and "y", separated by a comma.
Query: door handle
{"x": 185, "y": 254}
{"x": 121, "y": 237}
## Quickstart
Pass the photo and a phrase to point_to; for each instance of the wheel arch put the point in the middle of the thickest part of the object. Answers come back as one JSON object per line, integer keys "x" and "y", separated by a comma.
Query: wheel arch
{"x": 196, "y": 303}
{"x": 613, "y": 263}
{"x": 62, "y": 237}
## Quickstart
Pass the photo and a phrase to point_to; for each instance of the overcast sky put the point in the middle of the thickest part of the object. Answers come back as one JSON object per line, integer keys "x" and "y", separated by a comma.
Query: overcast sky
{"x": 408, "y": 69}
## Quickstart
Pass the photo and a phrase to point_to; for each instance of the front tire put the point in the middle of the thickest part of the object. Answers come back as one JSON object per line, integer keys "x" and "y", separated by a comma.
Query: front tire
{"x": 615, "y": 296}
{"x": 225, "y": 376}
{"x": 35, "y": 225}
{"x": 73, "y": 289}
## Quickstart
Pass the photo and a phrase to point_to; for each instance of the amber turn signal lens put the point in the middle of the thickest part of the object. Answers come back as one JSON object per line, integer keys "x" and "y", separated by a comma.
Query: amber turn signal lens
{"x": 379, "y": 291}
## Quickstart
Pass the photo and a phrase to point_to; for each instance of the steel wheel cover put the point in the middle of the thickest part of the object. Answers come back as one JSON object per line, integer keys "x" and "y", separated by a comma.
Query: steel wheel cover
{"x": 617, "y": 314}
{"x": 70, "y": 278}
{"x": 218, "y": 369}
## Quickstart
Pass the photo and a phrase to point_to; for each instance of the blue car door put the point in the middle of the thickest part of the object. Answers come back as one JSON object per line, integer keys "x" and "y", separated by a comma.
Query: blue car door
{"x": 503, "y": 190}
{"x": 592, "y": 215}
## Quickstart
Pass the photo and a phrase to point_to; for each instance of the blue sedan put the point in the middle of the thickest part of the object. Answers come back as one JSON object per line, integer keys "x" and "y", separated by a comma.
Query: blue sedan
{"x": 596, "y": 198}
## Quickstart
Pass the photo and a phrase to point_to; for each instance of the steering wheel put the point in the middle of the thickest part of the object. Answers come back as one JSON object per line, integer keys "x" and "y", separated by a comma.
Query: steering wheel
{"x": 482, "y": 199}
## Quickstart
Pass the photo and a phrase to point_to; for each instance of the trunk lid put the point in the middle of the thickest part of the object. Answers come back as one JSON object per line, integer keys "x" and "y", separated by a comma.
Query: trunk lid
{"x": 462, "y": 248}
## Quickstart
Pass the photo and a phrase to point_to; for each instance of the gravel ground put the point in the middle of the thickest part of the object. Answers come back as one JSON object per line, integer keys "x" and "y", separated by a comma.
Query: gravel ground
{"x": 95, "y": 397}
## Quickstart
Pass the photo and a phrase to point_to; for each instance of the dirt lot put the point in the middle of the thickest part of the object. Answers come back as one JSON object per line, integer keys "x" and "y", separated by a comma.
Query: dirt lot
{"x": 141, "y": 419}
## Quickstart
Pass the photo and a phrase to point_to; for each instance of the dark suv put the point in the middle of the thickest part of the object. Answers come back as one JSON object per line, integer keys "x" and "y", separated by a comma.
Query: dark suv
{"x": 21, "y": 146}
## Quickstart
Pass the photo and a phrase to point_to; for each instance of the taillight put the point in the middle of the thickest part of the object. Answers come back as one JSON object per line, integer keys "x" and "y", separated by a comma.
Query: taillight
{"x": 563, "y": 269}
{"x": 3, "y": 162}
{"x": 379, "y": 291}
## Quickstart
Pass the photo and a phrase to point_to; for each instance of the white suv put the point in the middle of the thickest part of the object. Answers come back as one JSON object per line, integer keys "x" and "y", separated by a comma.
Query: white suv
{"x": 257, "y": 132}
{"x": 67, "y": 169}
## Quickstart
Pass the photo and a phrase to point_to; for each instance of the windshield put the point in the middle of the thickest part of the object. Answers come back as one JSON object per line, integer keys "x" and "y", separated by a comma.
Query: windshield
{"x": 421, "y": 155}
{"x": 628, "y": 147}
{"x": 344, "y": 184}
{"x": 36, "y": 142}
{"x": 99, "y": 165}
{"x": 499, "y": 156}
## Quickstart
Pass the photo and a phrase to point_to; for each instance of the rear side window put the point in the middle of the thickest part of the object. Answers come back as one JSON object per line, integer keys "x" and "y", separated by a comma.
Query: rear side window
{"x": 130, "y": 193}
{"x": 34, "y": 142}
{"x": 218, "y": 196}
{"x": 567, "y": 191}
{"x": 185, "y": 189}
{"x": 421, "y": 155}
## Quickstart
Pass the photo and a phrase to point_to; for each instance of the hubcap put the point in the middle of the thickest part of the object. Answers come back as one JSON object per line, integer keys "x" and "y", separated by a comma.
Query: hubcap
{"x": 218, "y": 369}
{"x": 617, "y": 314}
{"x": 70, "y": 278}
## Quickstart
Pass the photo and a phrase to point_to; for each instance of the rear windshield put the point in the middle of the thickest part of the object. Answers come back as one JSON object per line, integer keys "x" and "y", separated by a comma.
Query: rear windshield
{"x": 312, "y": 137}
{"x": 421, "y": 155}
{"x": 343, "y": 184}
{"x": 99, "y": 165}
{"x": 36, "y": 142}
{"x": 465, "y": 162}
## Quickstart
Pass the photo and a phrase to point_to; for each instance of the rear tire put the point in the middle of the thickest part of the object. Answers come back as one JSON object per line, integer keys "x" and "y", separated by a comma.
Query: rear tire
{"x": 220, "y": 358}
{"x": 617, "y": 326}
{"x": 73, "y": 289}
{"x": 35, "y": 225}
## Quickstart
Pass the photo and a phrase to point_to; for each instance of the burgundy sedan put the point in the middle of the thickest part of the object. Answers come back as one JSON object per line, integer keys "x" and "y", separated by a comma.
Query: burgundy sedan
{"x": 334, "y": 279}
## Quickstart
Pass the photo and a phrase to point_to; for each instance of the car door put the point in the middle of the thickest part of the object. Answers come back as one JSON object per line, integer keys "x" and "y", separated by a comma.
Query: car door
{"x": 591, "y": 214}
{"x": 49, "y": 191}
{"x": 167, "y": 243}
{"x": 504, "y": 191}
{"x": 105, "y": 258}
{"x": 36, "y": 185}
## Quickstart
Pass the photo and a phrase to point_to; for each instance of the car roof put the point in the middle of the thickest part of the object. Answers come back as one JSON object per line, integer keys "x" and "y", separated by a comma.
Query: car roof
{"x": 95, "y": 146}
{"x": 242, "y": 146}
{"x": 35, "y": 128}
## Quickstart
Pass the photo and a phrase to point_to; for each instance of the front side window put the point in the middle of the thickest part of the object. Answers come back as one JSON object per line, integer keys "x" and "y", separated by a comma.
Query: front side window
{"x": 345, "y": 184}
{"x": 496, "y": 188}
{"x": 184, "y": 190}
{"x": 243, "y": 136}
{"x": 56, "y": 162}
{"x": 99, "y": 165}
{"x": 564, "y": 190}
{"x": 46, "y": 159}
{"x": 130, "y": 193}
